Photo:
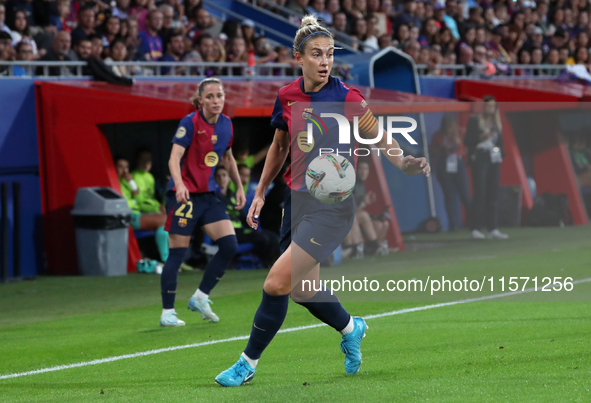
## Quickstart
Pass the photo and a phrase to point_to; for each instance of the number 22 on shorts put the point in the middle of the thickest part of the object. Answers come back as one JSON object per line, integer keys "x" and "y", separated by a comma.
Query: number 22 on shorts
{"x": 189, "y": 214}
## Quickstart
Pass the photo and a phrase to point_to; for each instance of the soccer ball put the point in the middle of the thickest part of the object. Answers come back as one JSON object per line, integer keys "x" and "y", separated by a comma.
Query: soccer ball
{"x": 330, "y": 178}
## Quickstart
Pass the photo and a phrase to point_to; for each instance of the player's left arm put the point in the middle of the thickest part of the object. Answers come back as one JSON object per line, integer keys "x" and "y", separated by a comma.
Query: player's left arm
{"x": 230, "y": 163}
{"x": 409, "y": 164}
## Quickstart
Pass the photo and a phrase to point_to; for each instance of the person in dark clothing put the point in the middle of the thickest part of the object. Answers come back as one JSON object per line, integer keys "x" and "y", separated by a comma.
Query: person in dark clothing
{"x": 447, "y": 152}
{"x": 265, "y": 243}
{"x": 58, "y": 52}
{"x": 484, "y": 139}
{"x": 96, "y": 67}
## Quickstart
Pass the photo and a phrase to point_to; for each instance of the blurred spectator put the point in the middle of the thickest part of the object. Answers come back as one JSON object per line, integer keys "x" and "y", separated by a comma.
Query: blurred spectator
{"x": 167, "y": 22}
{"x": 236, "y": 51}
{"x": 445, "y": 16}
{"x": 299, "y": 6}
{"x": 97, "y": 46}
{"x": 247, "y": 27}
{"x": 408, "y": 15}
{"x": 447, "y": 152}
{"x": 359, "y": 9}
{"x": 500, "y": 54}
{"x": 83, "y": 49}
{"x": 153, "y": 221}
{"x": 86, "y": 19}
{"x": 383, "y": 24}
{"x": 6, "y": 51}
{"x": 175, "y": 50}
{"x": 24, "y": 51}
{"x": 317, "y": 9}
{"x": 366, "y": 43}
{"x": 484, "y": 140}
{"x": 429, "y": 33}
{"x": 263, "y": 51}
{"x": 58, "y": 52}
{"x": 118, "y": 53}
{"x": 190, "y": 7}
{"x": 402, "y": 35}
{"x": 385, "y": 41}
{"x": 111, "y": 29}
{"x": 151, "y": 44}
{"x": 139, "y": 10}
{"x": 3, "y": 26}
{"x": 202, "y": 49}
{"x": 145, "y": 182}
{"x": 200, "y": 21}
{"x": 412, "y": 49}
{"x": 446, "y": 40}
{"x": 122, "y": 9}
{"x": 22, "y": 32}
{"x": 60, "y": 19}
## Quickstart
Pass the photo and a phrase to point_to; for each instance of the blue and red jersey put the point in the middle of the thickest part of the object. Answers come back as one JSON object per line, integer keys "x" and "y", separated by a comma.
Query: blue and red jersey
{"x": 205, "y": 145}
{"x": 295, "y": 108}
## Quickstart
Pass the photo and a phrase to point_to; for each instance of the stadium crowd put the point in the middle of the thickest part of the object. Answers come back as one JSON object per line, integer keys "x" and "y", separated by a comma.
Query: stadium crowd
{"x": 492, "y": 33}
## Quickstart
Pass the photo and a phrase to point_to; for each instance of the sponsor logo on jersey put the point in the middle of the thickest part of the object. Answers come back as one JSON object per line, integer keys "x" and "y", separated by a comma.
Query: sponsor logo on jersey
{"x": 214, "y": 138}
{"x": 200, "y": 131}
{"x": 180, "y": 133}
{"x": 291, "y": 103}
{"x": 182, "y": 222}
{"x": 363, "y": 104}
{"x": 211, "y": 159}
{"x": 303, "y": 144}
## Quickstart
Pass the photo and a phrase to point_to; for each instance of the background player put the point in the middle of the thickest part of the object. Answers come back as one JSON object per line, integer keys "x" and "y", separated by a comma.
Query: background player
{"x": 311, "y": 230}
{"x": 202, "y": 139}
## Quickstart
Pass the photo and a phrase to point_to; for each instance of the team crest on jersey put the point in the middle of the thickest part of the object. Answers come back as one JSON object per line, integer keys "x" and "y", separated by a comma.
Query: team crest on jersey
{"x": 182, "y": 222}
{"x": 180, "y": 133}
{"x": 307, "y": 113}
{"x": 214, "y": 138}
{"x": 211, "y": 159}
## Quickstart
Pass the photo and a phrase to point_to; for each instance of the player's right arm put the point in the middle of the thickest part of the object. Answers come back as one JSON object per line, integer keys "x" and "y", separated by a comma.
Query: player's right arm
{"x": 180, "y": 142}
{"x": 174, "y": 164}
{"x": 276, "y": 157}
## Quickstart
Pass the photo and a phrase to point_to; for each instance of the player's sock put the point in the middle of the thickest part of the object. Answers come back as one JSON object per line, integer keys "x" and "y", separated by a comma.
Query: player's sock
{"x": 168, "y": 278}
{"x": 216, "y": 267}
{"x": 327, "y": 307}
{"x": 371, "y": 247}
{"x": 162, "y": 243}
{"x": 250, "y": 361}
{"x": 266, "y": 324}
{"x": 349, "y": 328}
{"x": 200, "y": 294}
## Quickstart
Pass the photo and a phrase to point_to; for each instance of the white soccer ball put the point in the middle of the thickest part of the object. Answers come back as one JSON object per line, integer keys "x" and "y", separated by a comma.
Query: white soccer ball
{"x": 330, "y": 178}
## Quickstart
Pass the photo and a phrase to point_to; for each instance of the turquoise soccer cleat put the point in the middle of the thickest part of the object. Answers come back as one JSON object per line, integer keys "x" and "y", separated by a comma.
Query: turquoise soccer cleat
{"x": 170, "y": 319}
{"x": 351, "y": 346}
{"x": 238, "y": 374}
{"x": 201, "y": 305}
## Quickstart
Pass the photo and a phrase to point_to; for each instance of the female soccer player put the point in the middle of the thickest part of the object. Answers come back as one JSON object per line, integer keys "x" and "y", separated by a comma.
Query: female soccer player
{"x": 202, "y": 139}
{"x": 310, "y": 230}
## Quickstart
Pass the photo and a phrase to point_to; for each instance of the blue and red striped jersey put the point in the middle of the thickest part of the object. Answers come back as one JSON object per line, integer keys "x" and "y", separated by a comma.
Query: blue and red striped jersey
{"x": 295, "y": 108}
{"x": 205, "y": 145}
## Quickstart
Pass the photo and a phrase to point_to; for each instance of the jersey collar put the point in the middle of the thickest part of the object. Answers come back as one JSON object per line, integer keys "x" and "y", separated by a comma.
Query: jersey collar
{"x": 330, "y": 79}
{"x": 205, "y": 120}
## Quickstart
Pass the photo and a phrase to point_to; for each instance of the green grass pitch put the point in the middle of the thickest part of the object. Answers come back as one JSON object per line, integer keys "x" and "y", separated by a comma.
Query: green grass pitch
{"x": 506, "y": 350}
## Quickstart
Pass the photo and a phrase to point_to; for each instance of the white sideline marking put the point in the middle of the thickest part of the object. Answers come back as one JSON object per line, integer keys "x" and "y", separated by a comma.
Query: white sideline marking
{"x": 291, "y": 329}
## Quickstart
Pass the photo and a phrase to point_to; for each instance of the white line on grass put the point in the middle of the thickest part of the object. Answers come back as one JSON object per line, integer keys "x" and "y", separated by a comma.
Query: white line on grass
{"x": 291, "y": 329}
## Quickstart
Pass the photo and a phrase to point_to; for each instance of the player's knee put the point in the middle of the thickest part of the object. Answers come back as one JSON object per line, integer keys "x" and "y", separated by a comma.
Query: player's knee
{"x": 275, "y": 285}
{"x": 228, "y": 245}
